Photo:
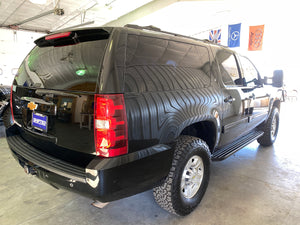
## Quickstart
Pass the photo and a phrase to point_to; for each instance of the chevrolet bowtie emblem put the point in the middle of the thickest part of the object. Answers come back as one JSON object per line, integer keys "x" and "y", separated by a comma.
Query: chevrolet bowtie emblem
{"x": 32, "y": 105}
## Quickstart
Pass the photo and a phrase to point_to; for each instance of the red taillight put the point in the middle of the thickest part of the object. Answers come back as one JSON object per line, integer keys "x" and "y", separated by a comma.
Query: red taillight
{"x": 57, "y": 36}
{"x": 110, "y": 126}
{"x": 10, "y": 102}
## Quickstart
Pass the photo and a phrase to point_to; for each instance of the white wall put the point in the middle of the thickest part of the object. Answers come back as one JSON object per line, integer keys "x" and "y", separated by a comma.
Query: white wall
{"x": 14, "y": 46}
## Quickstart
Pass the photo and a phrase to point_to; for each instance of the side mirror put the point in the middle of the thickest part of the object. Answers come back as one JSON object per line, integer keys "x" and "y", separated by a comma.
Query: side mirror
{"x": 277, "y": 80}
{"x": 265, "y": 80}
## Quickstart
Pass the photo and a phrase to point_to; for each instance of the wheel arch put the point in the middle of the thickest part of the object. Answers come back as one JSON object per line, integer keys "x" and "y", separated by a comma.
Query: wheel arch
{"x": 277, "y": 104}
{"x": 205, "y": 130}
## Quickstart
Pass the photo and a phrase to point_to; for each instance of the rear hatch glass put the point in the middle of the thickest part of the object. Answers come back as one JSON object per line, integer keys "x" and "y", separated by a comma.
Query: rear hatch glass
{"x": 65, "y": 64}
{"x": 53, "y": 92}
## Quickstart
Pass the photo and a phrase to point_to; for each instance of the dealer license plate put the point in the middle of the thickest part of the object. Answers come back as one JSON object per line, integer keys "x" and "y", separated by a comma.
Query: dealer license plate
{"x": 39, "y": 121}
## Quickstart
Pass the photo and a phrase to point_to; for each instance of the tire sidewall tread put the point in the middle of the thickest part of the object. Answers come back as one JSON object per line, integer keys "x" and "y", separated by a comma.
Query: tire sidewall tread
{"x": 266, "y": 139}
{"x": 168, "y": 195}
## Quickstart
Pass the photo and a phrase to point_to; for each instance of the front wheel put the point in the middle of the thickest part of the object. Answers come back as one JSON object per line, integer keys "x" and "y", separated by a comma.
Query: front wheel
{"x": 188, "y": 178}
{"x": 270, "y": 129}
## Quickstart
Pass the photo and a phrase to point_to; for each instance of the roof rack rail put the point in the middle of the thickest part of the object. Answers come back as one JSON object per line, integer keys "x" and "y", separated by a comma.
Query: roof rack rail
{"x": 153, "y": 28}
{"x": 212, "y": 42}
{"x": 150, "y": 27}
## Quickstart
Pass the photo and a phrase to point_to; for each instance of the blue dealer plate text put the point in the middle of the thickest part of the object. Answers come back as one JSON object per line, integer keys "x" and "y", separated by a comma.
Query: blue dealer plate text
{"x": 39, "y": 121}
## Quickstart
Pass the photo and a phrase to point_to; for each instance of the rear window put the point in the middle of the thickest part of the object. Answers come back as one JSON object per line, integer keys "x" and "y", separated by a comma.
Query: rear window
{"x": 72, "y": 67}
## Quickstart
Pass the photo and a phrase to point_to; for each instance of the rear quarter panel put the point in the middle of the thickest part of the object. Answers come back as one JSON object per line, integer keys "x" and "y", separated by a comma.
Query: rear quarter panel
{"x": 168, "y": 86}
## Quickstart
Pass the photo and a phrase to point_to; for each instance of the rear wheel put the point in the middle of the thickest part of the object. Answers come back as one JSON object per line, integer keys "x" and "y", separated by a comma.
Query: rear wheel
{"x": 188, "y": 178}
{"x": 270, "y": 129}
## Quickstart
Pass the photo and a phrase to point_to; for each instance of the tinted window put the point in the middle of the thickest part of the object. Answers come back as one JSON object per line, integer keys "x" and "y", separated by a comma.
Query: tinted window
{"x": 228, "y": 67}
{"x": 73, "y": 67}
{"x": 154, "y": 64}
{"x": 249, "y": 72}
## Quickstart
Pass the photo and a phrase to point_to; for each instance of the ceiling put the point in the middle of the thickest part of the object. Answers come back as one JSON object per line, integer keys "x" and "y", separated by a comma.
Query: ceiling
{"x": 181, "y": 16}
{"x": 59, "y": 14}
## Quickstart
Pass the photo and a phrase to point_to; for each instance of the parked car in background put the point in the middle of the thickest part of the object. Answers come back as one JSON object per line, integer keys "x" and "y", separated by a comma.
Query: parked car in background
{"x": 5, "y": 113}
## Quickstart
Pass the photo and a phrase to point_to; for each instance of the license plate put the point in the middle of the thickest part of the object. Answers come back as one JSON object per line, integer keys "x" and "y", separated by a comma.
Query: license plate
{"x": 39, "y": 121}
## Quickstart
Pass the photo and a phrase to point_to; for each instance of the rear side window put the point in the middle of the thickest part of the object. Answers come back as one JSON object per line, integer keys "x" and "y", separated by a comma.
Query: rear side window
{"x": 71, "y": 67}
{"x": 155, "y": 64}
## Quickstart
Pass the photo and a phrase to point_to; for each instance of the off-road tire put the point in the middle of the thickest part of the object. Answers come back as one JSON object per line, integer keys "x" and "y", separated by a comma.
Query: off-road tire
{"x": 168, "y": 194}
{"x": 268, "y": 138}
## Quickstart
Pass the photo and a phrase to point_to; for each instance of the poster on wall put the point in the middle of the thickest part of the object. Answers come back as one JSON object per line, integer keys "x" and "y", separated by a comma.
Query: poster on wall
{"x": 256, "y": 34}
{"x": 234, "y": 34}
{"x": 215, "y": 36}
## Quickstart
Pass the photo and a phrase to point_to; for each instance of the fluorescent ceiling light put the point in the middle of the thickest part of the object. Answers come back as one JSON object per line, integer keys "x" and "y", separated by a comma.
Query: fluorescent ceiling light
{"x": 40, "y": 2}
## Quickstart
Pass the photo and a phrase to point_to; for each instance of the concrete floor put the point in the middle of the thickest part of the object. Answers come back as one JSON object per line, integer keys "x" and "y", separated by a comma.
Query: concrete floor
{"x": 254, "y": 186}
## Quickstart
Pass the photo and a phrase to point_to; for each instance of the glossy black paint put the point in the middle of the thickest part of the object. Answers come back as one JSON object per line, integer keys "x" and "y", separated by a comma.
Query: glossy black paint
{"x": 171, "y": 85}
{"x": 167, "y": 87}
{"x": 118, "y": 177}
{"x": 68, "y": 121}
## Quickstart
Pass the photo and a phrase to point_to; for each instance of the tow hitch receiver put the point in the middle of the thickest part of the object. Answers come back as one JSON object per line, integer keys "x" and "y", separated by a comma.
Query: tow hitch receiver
{"x": 29, "y": 170}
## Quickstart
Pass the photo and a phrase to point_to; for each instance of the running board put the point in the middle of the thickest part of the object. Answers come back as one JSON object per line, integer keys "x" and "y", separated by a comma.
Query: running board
{"x": 223, "y": 153}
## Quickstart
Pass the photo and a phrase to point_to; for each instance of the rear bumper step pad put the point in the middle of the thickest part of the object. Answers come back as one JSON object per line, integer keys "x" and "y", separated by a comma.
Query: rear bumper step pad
{"x": 45, "y": 161}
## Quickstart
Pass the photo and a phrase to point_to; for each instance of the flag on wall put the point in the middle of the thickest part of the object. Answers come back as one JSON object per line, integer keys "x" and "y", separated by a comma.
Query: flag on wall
{"x": 234, "y": 33}
{"x": 215, "y": 36}
{"x": 256, "y": 34}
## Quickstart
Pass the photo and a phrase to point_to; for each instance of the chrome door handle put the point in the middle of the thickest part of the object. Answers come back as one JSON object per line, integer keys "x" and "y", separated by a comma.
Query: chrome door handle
{"x": 229, "y": 99}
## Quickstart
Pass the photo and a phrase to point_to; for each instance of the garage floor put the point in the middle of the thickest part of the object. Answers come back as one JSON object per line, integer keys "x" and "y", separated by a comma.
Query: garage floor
{"x": 255, "y": 186}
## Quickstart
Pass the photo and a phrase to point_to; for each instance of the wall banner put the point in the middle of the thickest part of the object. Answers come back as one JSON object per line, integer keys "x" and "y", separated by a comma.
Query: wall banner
{"x": 234, "y": 34}
{"x": 256, "y": 34}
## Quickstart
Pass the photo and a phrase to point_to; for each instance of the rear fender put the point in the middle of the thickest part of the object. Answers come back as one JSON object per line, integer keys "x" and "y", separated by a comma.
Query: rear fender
{"x": 208, "y": 129}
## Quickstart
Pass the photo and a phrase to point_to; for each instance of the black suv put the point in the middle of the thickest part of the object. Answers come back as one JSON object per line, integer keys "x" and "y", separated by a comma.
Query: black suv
{"x": 111, "y": 112}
